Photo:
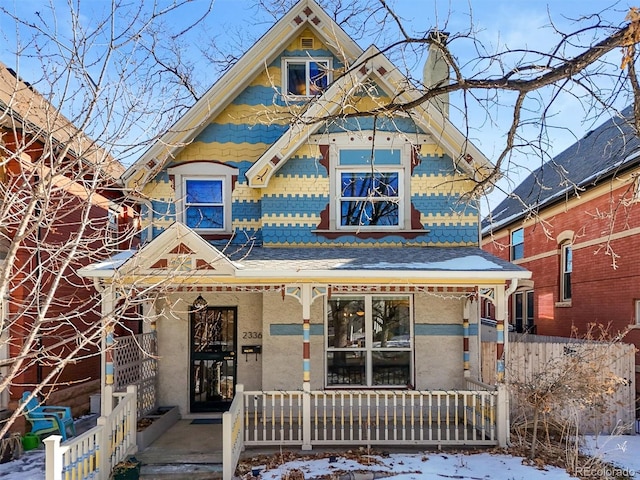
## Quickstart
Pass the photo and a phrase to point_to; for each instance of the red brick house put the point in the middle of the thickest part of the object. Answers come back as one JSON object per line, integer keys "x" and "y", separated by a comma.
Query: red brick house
{"x": 575, "y": 223}
{"x": 40, "y": 149}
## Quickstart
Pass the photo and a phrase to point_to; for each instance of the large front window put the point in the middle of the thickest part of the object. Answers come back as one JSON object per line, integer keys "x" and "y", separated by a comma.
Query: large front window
{"x": 204, "y": 205}
{"x": 369, "y": 198}
{"x": 369, "y": 341}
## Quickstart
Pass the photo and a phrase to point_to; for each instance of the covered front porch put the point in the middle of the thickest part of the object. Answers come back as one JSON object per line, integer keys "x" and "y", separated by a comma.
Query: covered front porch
{"x": 311, "y": 347}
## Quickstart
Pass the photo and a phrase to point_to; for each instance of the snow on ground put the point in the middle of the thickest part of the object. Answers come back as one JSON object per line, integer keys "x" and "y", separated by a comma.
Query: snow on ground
{"x": 433, "y": 465}
{"x": 622, "y": 451}
{"x": 30, "y": 466}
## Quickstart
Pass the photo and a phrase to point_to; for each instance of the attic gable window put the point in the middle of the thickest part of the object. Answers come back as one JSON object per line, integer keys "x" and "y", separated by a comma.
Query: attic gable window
{"x": 306, "y": 77}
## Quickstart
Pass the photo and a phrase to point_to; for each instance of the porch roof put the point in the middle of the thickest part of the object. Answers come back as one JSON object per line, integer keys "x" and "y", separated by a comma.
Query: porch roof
{"x": 409, "y": 263}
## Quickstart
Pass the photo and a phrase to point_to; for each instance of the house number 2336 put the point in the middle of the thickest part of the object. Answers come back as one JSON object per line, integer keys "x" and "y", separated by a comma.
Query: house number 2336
{"x": 246, "y": 335}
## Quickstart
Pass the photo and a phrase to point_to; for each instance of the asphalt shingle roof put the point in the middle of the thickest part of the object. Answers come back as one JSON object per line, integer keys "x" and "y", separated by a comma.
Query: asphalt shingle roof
{"x": 401, "y": 258}
{"x": 601, "y": 153}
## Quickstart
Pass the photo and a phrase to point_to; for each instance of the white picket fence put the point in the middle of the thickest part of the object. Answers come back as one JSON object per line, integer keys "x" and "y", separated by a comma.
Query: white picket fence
{"x": 93, "y": 454}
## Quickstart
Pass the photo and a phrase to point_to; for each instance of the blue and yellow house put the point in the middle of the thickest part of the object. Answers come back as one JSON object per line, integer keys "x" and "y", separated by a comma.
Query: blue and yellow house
{"x": 292, "y": 244}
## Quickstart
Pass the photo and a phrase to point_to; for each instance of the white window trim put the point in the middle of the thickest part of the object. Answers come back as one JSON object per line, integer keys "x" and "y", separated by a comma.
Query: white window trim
{"x": 637, "y": 313}
{"x": 368, "y": 349}
{"x": 203, "y": 171}
{"x": 563, "y": 270}
{"x": 307, "y": 60}
{"x": 382, "y": 141}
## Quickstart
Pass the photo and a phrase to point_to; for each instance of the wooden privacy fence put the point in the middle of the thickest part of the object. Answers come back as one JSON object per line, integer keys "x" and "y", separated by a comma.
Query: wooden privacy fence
{"x": 536, "y": 358}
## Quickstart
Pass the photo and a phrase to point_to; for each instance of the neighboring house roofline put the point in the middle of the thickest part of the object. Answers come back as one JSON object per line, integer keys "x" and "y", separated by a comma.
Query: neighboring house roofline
{"x": 305, "y": 14}
{"x": 560, "y": 197}
{"x": 372, "y": 64}
{"x": 23, "y": 108}
{"x": 609, "y": 151}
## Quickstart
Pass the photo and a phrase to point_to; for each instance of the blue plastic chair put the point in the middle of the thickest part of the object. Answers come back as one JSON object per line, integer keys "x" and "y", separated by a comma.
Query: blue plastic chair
{"x": 46, "y": 420}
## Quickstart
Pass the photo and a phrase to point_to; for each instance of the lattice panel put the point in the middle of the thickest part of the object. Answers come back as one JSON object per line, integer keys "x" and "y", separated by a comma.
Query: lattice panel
{"x": 135, "y": 363}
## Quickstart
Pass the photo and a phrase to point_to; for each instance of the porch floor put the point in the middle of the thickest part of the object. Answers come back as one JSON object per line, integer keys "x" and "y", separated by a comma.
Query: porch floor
{"x": 185, "y": 451}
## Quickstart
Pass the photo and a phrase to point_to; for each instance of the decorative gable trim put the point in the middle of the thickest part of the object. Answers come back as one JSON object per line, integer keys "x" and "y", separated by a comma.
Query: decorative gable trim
{"x": 178, "y": 250}
{"x": 374, "y": 65}
{"x": 305, "y": 14}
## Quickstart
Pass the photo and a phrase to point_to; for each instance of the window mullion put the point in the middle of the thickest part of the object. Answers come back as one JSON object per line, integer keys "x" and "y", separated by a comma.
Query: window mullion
{"x": 368, "y": 319}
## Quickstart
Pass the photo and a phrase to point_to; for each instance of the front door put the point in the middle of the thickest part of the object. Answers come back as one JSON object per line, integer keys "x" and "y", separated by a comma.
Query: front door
{"x": 213, "y": 358}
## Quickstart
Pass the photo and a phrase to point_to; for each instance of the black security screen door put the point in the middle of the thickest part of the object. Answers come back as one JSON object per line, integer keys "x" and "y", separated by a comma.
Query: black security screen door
{"x": 213, "y": 358}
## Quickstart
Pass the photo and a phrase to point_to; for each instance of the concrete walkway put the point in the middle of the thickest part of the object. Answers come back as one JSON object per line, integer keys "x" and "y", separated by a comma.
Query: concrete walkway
{"x": 185, "y": 451}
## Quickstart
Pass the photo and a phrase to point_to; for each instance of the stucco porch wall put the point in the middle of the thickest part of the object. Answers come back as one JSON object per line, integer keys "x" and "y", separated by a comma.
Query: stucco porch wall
{"x": 173, "y": 343}
{"x": 438, "y": 337}
{"x": 438, "y": 342}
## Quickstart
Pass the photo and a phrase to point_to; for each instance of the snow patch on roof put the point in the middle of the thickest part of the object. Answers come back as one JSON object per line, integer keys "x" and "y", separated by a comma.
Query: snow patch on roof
{"x": 469, "y": 262}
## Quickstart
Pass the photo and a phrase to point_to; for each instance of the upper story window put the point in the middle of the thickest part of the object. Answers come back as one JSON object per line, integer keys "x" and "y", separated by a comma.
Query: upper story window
{"x": 112, "y": 226}
{"x": 370, "y": 188}
{"x": 517, "y": 244}
{"x": 306, "y": 77}
{"x": 369, "y": 341}
{"x": 204, "y": 203}
{"x": 203, "y": 195}
{"x": 370, "y": 198}
{"x": 566, "y": 265}
{"x": 637, "y": 305}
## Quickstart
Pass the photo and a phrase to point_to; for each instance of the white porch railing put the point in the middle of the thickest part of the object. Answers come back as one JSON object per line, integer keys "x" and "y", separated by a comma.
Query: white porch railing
{"x": 398, "y": 417}
{"x": 232, "y": 434}
{"x": 93, "y": 454}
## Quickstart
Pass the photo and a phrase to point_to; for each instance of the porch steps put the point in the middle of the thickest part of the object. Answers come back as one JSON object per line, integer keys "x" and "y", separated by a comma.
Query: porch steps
{"x": 181, "y": 471}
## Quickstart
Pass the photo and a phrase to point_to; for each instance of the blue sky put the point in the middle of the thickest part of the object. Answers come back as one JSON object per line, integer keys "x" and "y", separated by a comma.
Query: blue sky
{"x": 498, "y": 24}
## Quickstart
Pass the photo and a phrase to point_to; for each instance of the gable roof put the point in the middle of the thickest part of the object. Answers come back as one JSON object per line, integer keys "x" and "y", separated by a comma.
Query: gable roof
{"x": 178, "y": 249}
{"x": 601, "y": 154}
{"x": 23, "y": 108}
{"x": 371, "y": 65}
{"x": 304, "y": 14}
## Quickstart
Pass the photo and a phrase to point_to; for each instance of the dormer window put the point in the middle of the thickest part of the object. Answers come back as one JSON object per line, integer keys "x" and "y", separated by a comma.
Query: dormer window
{"x": 306, "y": 77}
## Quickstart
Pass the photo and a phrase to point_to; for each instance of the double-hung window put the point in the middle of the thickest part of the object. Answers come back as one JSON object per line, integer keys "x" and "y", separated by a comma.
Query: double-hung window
{"x": 566, "y": 265}
{"x": 203, "y": 195}
{"x": 204, "y": 203}
{"x": 306, "y": 77}
{"x": 369, "y": 341}
{"x": 517, "y": 244}
{"x": 370, "y": 198}
{"x": 370, "y": 189}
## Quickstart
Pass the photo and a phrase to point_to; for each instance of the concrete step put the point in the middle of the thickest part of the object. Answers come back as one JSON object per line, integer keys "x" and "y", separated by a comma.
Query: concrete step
{"x": 182, "y": 471}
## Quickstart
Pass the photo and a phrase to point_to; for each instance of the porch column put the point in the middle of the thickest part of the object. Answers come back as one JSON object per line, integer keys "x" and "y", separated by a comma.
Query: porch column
{"x": 466, "y": 356}
{"x": 107, "y": 305}
{"x": 306, "y": 366}
{"x": 306, "y": 294}
{"x": 501, "y": 311}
